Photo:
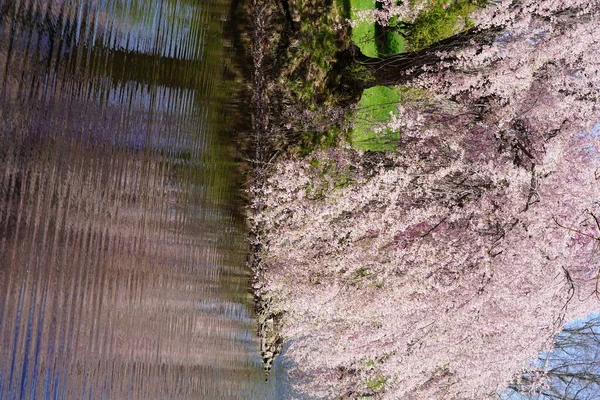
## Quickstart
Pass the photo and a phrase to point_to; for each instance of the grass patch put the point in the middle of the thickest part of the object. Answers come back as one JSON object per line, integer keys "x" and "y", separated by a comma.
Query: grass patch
{"x": 363, "y": 33}
{"x": 373, "y": 110}
{"x": 377, "y": 383}
{"x": 370, "y": 39}
{"x": 442, "y": 19}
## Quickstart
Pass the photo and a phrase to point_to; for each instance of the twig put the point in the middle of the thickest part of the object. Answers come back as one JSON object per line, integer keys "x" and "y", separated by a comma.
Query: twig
{"x": 532, "y": 190}
{"x": 573, "y": 229}
{"x": 563, "y": 310}
{"x": 435, "y": 226}
{"x": 596, "y": 220}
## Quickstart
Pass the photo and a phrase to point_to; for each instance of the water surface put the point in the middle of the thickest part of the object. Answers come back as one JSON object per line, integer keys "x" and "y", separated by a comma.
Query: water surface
{"x": 121, "y": 234}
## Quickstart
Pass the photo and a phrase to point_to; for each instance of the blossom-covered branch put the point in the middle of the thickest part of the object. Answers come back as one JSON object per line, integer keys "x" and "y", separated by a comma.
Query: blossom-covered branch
{"x": 441, "y": 269}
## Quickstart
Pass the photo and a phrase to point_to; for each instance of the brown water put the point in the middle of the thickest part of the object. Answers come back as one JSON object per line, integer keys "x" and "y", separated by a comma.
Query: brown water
{"x": 121, "y": 235}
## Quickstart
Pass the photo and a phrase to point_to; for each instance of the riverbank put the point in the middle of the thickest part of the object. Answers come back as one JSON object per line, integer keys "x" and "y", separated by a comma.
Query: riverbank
{"x": 294, "y": 112}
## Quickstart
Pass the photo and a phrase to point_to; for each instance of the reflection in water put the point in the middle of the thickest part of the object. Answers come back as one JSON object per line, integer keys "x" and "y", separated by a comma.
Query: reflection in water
{"x": 121, "y": 253}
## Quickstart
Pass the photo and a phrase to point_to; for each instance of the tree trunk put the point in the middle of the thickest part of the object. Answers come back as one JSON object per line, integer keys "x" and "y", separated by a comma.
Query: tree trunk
{"x": 402, "y": 68}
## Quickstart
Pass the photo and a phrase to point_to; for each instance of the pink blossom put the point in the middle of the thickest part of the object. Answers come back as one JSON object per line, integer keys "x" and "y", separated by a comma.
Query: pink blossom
{"x": 444, "y": 267}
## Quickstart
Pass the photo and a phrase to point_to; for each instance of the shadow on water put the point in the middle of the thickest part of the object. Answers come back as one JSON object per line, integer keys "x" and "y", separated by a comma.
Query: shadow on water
{"x": 122, "y": 236}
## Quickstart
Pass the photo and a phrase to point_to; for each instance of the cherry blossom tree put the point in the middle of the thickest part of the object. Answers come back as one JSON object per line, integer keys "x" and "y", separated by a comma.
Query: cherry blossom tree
{"x": 438, "y": 271}
{"x": 507, "y": 30}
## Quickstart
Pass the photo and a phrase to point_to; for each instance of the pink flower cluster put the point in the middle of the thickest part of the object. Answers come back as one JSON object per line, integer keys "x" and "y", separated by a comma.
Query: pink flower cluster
{"x": 442, "y": 268}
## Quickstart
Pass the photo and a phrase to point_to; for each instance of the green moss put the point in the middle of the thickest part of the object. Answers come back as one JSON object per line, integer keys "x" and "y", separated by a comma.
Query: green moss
{"x": 320, "y": 44}
{"x": 358, "y": 72}
{"x": 377, "y": 383}
{"x": 442, "y": 20}
{"x": 394, "y": 43}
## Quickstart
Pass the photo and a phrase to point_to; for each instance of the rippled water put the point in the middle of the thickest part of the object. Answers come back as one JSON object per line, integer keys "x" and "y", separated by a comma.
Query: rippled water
{"x": 121, "y": 237}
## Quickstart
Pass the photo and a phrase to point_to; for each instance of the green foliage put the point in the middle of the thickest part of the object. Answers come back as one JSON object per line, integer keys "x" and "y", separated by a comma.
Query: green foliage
{"x": 394, "y": 43}
{"x": 442, "y": 20}
{"x": 366, "y": 278}
{"x": 369, "y": 364}
{"x": 377, "y": 383}
{"x": 362, "y": 272}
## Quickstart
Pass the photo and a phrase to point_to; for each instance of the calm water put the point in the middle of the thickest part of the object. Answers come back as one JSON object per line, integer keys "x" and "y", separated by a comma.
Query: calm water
{"x": 121, "y": 237}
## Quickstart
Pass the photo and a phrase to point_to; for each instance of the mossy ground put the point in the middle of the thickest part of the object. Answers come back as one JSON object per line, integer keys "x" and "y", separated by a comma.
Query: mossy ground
{"x": 441, "y": 20}
{"x": 376, "y": 103}
{"x": 374, "y": 108}
{"x": 312, "y": 113}
{"x": 363, "y": 33}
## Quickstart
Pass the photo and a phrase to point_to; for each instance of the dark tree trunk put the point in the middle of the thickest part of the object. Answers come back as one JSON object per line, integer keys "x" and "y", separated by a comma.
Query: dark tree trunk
{"x": 402, "y": 68}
